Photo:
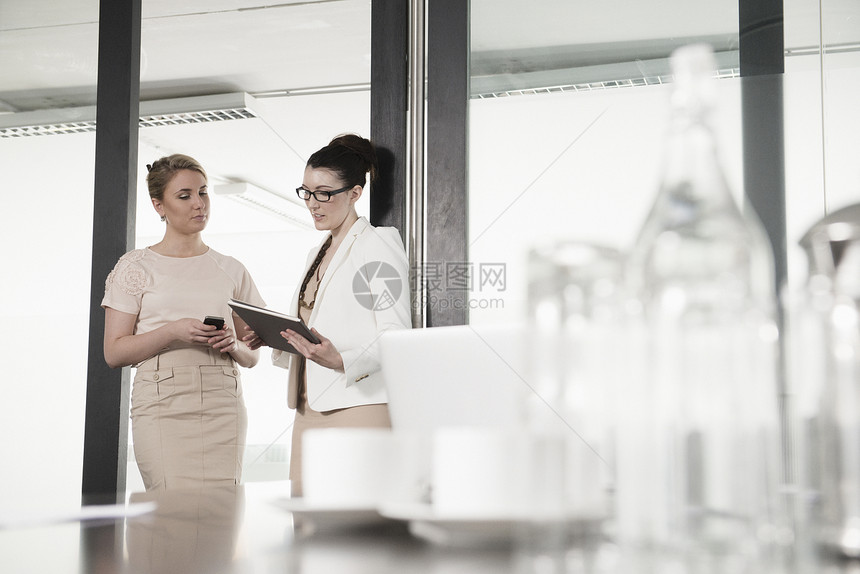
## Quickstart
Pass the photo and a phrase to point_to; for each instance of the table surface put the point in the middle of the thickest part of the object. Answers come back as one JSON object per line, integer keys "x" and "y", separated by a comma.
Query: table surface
{"x": 256, "y": 528}
{"x": 248, "y": 528}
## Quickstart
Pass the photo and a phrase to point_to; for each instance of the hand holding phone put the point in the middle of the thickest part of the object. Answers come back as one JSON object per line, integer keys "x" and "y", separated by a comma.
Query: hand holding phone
{"x": 217, "y": 321}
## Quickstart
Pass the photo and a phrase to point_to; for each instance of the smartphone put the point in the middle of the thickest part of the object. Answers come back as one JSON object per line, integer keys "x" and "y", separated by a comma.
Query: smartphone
{"x": 217, "y": 321}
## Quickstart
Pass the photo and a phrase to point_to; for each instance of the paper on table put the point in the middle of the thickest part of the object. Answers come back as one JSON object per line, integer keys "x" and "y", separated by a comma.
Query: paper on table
{"x": 20, "y": 519}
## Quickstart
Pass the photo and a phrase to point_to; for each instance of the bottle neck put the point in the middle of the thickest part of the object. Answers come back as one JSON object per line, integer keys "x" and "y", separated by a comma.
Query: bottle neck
{"x": 692, "y": 169}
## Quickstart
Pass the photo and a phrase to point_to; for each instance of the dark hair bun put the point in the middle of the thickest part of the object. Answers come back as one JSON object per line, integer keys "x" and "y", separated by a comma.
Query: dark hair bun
{"x": 351, "y": 156}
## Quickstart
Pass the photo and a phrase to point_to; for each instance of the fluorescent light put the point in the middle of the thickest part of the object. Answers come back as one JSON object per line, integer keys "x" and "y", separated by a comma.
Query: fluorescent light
{"x": 314, "y": 91}
{"x": 48, "y": 122}
{"x": 199, "y": 109}
{"x": 266, "y": 200}
{"x": 174, "y": 111}
{"x": 828, "y": 49}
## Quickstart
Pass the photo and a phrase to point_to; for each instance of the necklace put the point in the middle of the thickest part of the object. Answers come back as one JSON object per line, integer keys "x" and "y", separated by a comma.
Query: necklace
{"x": 314, "y": 267}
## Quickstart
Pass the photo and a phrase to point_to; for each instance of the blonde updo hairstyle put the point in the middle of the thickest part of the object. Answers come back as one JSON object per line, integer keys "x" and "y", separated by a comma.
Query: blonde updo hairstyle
{"x": 164, "y": 169}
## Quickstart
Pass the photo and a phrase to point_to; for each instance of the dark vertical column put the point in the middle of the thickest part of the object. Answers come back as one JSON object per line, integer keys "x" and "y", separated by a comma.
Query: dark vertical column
{"x": 102, "y": 545}
{"x": 761, "y": 28}
{"x": 106, "y": 425}
{"x": 764, "y": 161}
{"x": 762, "y": 60}
{"x": 447, "y": 161}
{"x": 389, "y": 47}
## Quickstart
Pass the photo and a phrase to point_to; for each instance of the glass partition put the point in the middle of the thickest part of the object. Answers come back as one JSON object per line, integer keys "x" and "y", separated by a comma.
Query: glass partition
{"x": 292, "y": 103}
{"x": 566, "y": 124}
{"x": 567, "y": 117}
{"x": 568, "y": 112}
{"x": 822, "y": 122}
{"x": 46, "y": 247}
{"x": 294, "y": 99}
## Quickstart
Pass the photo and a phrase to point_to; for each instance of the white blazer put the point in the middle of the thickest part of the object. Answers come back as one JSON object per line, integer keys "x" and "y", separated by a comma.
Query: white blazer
{"x": 369, "y": 263}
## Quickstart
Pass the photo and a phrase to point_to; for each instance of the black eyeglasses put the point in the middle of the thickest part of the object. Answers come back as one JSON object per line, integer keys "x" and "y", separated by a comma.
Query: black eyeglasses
{"x": 321, "y": 196}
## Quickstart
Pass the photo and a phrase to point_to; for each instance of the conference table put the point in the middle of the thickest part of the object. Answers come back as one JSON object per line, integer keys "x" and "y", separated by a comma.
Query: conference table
{"x": 256, "y": 528}
{"x": 251, "y": 528}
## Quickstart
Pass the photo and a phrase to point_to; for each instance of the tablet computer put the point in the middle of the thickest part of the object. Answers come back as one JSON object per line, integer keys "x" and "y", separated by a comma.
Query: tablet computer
{"x": 268, "y": 325}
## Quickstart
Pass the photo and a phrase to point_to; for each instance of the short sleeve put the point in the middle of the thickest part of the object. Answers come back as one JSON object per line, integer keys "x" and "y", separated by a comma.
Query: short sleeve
{"x": 247, "y": 290}
{"x": 126, "y": 283}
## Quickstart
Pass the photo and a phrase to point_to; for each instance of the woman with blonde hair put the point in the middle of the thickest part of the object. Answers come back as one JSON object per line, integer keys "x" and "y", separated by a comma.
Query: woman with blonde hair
{"x": 188, "y": 416}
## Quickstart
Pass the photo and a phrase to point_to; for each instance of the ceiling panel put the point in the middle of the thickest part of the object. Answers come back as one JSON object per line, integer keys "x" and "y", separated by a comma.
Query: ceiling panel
{"x": 49, "y": 55}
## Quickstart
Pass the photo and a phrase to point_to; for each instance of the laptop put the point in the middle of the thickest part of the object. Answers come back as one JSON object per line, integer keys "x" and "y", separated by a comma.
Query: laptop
{"x": 479, "y": 376}
{"x": 455, "y": 376}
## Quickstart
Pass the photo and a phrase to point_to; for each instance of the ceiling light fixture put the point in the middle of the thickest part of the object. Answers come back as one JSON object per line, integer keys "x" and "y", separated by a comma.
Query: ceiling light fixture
{"x": 601, "y": 85}
{"x": 828, "y": 49}
{"x": 315, "y": 91}
{"x": 174, "y": 111}
{"x": 266, "y": 200}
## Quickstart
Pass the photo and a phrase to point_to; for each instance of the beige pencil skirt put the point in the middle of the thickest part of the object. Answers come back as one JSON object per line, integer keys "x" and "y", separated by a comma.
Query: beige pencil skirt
{"x": 188, "y": 419}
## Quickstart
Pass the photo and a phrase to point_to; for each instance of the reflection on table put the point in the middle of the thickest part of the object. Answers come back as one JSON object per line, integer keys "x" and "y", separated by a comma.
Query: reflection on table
{"x": 256, "y": 528}
{"x": 190, "y": 531}
{"x": 235, "y": 530}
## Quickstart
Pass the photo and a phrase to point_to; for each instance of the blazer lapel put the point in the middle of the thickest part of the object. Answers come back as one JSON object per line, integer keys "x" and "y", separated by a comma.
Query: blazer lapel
{"x": 340, "y": 257}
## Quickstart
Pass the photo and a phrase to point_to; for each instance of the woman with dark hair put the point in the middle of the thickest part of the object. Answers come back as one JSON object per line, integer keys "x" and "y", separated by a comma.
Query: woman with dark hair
{"x": 355, "y": 287}
{"x": 187, "y": 412}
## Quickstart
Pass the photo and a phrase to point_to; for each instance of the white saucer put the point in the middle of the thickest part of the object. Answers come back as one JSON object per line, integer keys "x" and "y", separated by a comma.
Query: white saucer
{"x": 463, "y": 529}
{"x": 330, "y": 517}
{"x": 454, "y": 529}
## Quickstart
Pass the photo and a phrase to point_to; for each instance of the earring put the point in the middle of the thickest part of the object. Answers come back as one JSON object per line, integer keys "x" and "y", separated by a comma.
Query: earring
{"x": 163, "y": 218}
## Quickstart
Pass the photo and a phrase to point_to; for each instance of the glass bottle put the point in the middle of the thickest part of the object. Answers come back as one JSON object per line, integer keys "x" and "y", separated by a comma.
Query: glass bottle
{"x": 573, "y": 326}
{"x": 826, "y": 375}
{"x": 697, "y": 434}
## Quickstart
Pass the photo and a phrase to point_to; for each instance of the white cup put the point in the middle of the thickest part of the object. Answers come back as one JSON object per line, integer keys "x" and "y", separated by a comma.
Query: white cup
{"x": 347, "y": 467}
{"x": 477, "y": 472}
{"x": 410, "y": 469}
